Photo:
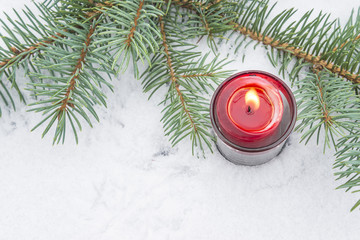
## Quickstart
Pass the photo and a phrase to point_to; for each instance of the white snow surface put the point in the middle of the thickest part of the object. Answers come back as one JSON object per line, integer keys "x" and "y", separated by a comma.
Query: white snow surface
{"x": 124, "y": 181}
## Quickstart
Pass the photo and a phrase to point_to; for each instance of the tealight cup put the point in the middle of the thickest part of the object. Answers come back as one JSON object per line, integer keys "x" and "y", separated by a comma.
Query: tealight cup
{"x": 252, "y": 114}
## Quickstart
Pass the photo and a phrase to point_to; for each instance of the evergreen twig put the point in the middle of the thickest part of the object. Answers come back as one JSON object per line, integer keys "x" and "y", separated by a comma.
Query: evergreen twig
{"x": 187, "y": 75}
{"x": 174, "y": 81}
{"x": 284, "y": 35}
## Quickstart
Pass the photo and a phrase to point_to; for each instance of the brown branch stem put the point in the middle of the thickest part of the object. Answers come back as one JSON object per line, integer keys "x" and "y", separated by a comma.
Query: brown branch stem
{"x": 326, "y": 116}
{"x": 172, "y": 73}
{"x": 342, "y": 45}
{"x": 76, "y": 71}
{"x": 297, "y": 52}
{"x": 189, "y": 4}
{"x": 197, "y": 75}
{"x": 132, "y": 30}
{"x": 29, "y": 50}
{"x": 95, "y": 13}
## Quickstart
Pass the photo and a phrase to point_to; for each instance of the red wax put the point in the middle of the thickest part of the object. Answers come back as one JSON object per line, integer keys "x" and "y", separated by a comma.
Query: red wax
{"x": 249, "y": 122}
{"x": 242, "y": 114}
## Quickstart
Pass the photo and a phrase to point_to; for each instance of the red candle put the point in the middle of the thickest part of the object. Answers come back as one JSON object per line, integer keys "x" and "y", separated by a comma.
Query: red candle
{"x": 252, "y": 114}
{"x": 248, "y": 110}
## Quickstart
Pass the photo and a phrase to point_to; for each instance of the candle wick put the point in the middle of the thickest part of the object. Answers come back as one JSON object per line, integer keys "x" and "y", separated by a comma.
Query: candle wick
{"x": 249, "y": 109}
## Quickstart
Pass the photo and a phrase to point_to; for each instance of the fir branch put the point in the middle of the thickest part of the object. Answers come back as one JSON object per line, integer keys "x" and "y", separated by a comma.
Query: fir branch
{"x": 324, "y": 108}
{"x": 187, "y": 76}
{"x": 301, "y": 39}
{"x": 205, "y": 18}
{"x": 72, "y": 85}
{"x": 173, "y": 78}
{"x": 76, "y": 72}
{"x": 36, "y": 36}
{"x": 29, "y": 51}
{"x": 348, "y": 163}
{"x": 297, "y": 52}
{"x": 20, "y": 54}
{"x": 251, "y": 27}
{"x": 325, "y": 102}
{"x": 131, "y": 32}
{"x": 22, "y": 44}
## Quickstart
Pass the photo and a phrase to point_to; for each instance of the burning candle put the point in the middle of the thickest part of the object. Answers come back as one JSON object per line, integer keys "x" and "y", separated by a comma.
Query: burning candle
{"x": 252, "y": 114}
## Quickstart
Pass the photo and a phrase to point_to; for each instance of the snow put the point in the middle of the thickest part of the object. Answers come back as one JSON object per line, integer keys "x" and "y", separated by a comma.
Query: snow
{"x": 124, "y": 181}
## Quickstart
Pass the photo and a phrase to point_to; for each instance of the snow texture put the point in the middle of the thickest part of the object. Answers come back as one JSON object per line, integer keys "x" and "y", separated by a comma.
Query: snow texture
{"x": 124, "y": 181}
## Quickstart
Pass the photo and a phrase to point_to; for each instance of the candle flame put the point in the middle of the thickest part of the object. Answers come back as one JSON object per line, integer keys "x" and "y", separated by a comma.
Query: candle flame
{"x": 252, "y": 99}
